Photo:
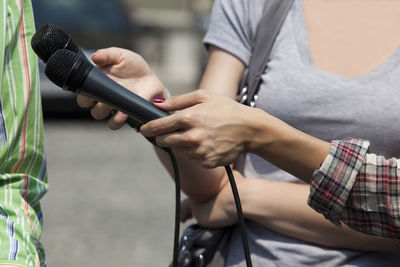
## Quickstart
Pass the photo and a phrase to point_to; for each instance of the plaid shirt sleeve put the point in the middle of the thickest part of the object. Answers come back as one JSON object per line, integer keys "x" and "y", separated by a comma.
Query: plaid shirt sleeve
{"x": 360, "y": 189}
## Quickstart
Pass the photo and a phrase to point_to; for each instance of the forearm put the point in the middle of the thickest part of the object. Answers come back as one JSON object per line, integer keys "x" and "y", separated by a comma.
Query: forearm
{"x": 282, "y": 207}
{"x": 197, "y": 183}
{"x": 284, "y": 146}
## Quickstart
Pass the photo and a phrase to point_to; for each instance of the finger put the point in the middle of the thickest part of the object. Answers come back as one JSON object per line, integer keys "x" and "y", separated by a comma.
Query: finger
{"x": 164, "y": 125}
{"x": 182, "y": 101}
{"x": 107, "y": 56}
{"x": 100, "y": 111}
{"x": 85, "y": 102}
{"x": 117, "y": 120}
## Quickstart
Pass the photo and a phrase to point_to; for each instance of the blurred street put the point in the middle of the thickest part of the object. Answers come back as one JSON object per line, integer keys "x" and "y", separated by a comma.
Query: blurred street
{"x": 110, "y": 202}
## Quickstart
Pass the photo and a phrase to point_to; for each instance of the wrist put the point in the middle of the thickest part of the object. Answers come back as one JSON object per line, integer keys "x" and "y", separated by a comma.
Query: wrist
{"x": 266, "y": 131}
{"x": 286, "y": 147}
{"x": 158, "y": 89}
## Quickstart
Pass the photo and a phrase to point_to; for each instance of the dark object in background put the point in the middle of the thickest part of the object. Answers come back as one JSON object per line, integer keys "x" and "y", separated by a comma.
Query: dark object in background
{"x": 92, "y": 24}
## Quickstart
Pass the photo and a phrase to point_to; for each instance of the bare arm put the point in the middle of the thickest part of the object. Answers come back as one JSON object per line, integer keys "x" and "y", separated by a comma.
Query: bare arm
{"x": 278, "y": 206}
{"x": 222, "y": 76}
{"x": 282, "y": 207}
{"x": 214, "y": 130}
{"x": 284, "y": 210}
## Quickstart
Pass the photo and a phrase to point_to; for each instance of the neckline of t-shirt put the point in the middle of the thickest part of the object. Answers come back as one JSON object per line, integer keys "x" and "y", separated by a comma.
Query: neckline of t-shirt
{"x": 299, "y": 27}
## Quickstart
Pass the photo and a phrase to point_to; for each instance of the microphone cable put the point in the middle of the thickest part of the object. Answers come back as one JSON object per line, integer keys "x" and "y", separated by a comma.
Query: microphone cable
{"x": 238, "y": 205}
{"x": 239, "y": 212}
{"x": 177, "y": 206}
{"x": 135, "y": 124}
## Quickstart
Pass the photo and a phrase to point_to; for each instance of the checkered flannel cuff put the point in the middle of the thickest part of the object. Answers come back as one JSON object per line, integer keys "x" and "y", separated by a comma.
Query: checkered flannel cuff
{"x": 332, "y": 183}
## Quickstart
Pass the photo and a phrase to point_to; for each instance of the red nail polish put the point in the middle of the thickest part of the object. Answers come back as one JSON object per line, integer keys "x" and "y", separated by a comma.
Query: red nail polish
{"x": 158, "y": 99}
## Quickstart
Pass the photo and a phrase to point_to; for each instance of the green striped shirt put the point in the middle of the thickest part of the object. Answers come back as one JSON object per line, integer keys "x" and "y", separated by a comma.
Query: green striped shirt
{"x": 23, "y": 178}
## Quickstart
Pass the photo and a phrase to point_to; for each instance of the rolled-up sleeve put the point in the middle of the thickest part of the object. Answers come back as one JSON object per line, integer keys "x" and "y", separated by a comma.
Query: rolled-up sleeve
{"x": 359, "y": 189}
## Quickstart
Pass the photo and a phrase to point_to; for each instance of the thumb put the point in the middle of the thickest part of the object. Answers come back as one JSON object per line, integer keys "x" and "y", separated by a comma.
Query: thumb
{"x": 107, "y": 56}
{"x": 182, "y": 101}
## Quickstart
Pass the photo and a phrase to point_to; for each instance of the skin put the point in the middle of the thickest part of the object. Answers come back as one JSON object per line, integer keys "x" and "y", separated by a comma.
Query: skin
{"x": 117, "y": 63}
{"x": 347, "y": 44}
{"x": 203, "y": 137}
{"x": 214, "y": 130}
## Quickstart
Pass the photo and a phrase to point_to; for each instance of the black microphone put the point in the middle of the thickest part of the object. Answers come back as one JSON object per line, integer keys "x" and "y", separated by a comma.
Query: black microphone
{"x": 50, "y": 38}
{"x": 71, "y": 72}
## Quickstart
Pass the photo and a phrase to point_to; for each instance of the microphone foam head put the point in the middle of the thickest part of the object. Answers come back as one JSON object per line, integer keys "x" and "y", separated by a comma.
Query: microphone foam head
{"x": 50, "y": 38}
{"x": 67, "y": 69}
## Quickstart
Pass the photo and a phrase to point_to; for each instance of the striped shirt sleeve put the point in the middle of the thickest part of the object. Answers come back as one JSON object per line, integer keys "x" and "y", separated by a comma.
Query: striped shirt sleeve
{"x": 23, "y": 175}
{"x": 359, "y": 189}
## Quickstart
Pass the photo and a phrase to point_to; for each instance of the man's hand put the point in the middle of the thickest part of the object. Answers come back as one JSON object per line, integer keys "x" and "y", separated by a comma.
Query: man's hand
{"x": 129, "y": 70}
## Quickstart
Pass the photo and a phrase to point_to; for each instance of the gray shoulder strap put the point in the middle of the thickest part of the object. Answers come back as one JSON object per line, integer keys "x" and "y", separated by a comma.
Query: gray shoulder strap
{"x": 275, "y": 12}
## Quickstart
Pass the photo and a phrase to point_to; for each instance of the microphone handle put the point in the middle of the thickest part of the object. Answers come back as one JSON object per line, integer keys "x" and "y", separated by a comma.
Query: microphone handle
{"x": 132, "y": 122}
{"x": 100, "y": 87}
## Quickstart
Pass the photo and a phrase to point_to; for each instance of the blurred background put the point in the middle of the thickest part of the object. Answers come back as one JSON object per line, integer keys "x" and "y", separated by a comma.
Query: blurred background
{"x": 110, "y": 202}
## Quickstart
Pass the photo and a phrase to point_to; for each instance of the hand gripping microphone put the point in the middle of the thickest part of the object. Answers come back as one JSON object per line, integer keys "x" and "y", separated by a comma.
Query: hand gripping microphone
{"x": 73, "y": 73}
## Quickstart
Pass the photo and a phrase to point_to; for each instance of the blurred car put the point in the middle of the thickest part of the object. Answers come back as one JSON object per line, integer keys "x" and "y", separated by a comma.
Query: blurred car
{"x": 92, "y": 24}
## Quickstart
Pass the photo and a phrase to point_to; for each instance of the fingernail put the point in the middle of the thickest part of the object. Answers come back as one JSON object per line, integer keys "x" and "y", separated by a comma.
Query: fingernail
{"x": 158, "y": 99}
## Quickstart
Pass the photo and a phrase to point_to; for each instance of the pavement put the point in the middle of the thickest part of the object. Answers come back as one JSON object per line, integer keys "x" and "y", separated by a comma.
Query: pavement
{"x": 110, "y": 201}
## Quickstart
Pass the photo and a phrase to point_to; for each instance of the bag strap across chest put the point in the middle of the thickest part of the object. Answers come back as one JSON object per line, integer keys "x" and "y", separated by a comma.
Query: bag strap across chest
{"x": 274, "y": 14}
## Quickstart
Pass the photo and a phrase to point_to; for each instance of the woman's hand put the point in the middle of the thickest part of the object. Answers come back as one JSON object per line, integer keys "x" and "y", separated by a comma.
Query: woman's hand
{"x": 206, "y": 127}
{"x": 219, "y": 211}
{"x": 129, "y": 70}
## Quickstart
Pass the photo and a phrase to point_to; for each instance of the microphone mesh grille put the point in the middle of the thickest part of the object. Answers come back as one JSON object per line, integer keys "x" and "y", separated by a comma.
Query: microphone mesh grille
{"x": 58, "y": 69}
{"x": 50, "y": 38}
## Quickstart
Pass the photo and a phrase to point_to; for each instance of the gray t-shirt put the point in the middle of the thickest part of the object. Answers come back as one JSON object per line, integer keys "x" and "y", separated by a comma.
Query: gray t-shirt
{"x": 322, "y": 104}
